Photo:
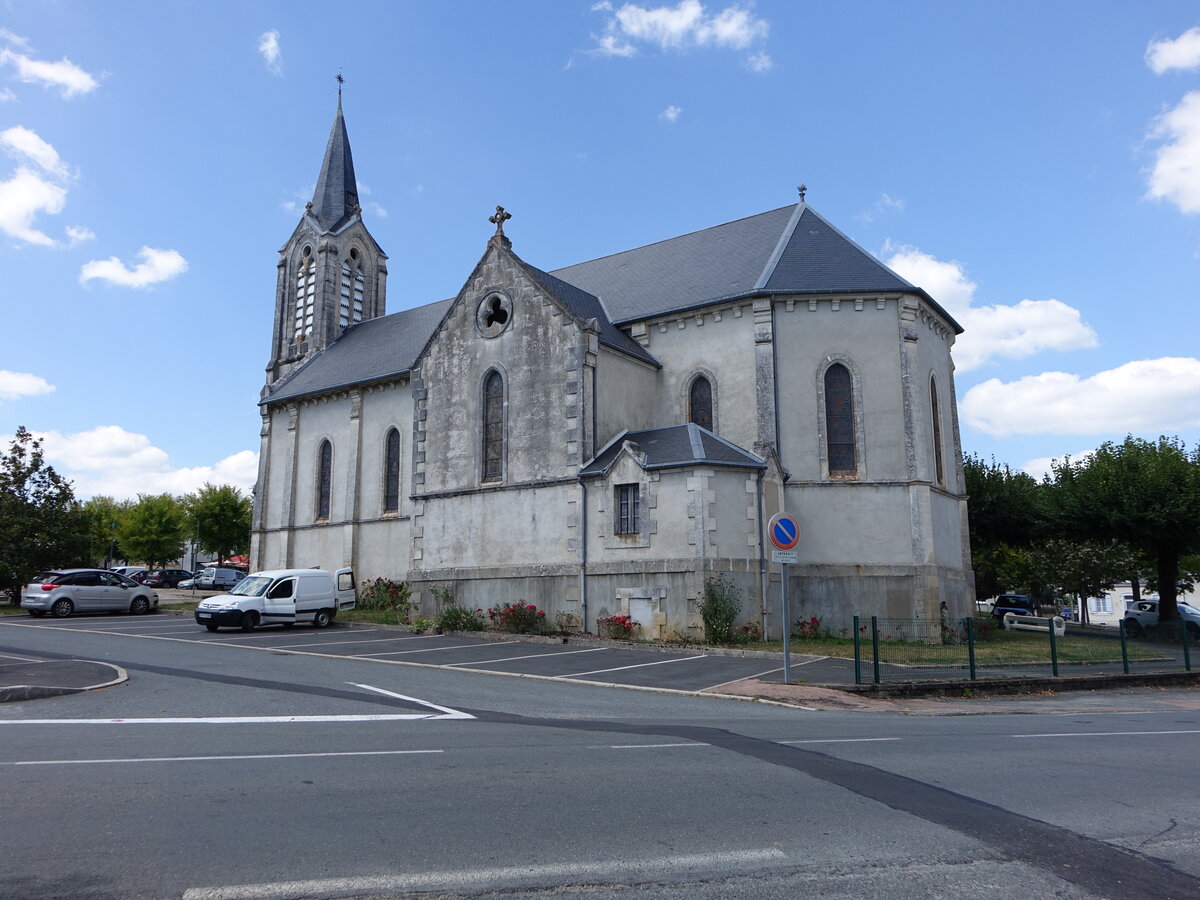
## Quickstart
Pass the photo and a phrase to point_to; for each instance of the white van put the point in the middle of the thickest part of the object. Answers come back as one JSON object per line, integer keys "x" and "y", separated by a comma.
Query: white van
{"x": 280, "y": 597}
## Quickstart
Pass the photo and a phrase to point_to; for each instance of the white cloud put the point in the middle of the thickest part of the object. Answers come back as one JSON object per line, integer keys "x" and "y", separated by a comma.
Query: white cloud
{"x": 63, "y": 74}
{"x": 110, "y": 460}
{"x": 685, "y": 26}
{"x": 1146, "y": 396}
{"x": 7, "y": 96}
{"x": 156, "y": 266}
{"x": 1176, "y": 173}
{"x": 14, "y": 39}
{"x": 1181, "y": 53}
{"x": 22, "y": 384}
{"x": 38, "y": 185}
{"x": 80, "y": 233}
{"x": 268, "y": 46}
{"x": 1009, "y": 332}
{"x": 760, "y": 62}
{"x": 885, "y": 204}
{"x": 671, "y": 113}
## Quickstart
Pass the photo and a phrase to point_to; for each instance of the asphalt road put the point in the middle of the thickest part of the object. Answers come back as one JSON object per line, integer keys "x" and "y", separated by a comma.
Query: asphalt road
{"x": 220, "y": 771}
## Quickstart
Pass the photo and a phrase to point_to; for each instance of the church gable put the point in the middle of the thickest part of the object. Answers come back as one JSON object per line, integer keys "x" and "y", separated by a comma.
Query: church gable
{"x": 500, "y": 388}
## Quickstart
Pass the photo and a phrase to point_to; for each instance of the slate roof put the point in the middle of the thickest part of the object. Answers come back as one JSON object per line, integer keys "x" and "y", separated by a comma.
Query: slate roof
{"x": 588, "y": 306}
{"x": 336, "y": 196}
{"x": 673, "y": 447}
{"x": 369, "y": 351}
{"x": 790, "y": 250}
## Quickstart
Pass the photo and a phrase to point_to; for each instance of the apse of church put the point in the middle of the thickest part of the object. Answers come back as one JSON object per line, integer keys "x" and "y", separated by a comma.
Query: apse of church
{"x": 602, "y": 438}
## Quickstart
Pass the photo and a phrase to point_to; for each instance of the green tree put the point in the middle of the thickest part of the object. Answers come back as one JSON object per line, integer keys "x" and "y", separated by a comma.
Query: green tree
{"x": 104, "y": 517}
{"x": 1082, "y": 568}
{"x": 1006, "y": 512}
{"x": 41, "y": 525}
{"x": 1144, "y": 493}
{"x": 220, "y": 519}
{"x": 153, "y": 529}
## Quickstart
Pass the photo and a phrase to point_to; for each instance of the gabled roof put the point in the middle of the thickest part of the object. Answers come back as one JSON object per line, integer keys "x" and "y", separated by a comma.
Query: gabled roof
{"x": 673, "y": 447}
{"x": 336, "y": 196}
{"x": 369, "y": 351}
{"x": 790, "y": 250}
{"x": 588, "y": 306}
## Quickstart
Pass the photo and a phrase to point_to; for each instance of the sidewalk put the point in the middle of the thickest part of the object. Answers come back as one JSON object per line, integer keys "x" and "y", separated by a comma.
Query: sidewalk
{"x": 37, "y": 679}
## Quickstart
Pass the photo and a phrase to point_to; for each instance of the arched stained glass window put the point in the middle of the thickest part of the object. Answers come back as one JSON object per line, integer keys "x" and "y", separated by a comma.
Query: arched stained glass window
{"x": 700, "y": 405}
{"x": 493, "y": 427}
{"x": 324, "y": 479}
{"x": 391, "y": 472}
{"x": 936, "y": 411}
{"x": 839, "y": 421}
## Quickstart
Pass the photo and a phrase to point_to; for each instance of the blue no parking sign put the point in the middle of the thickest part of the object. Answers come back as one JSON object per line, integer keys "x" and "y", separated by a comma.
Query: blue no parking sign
{"x": 784, "y": 531}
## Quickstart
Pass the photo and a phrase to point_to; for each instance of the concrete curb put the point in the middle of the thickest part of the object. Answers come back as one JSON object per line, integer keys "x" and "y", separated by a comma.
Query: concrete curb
{"x": 1020, "y": 685}
{"x": 74, "y": 677}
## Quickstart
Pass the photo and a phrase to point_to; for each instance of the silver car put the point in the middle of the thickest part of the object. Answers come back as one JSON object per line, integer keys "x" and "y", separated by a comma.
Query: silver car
{"x": 66, "y": 591}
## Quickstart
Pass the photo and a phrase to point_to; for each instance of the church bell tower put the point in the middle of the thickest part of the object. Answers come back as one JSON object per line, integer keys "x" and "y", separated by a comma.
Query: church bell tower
{"x": 331, "y": 273}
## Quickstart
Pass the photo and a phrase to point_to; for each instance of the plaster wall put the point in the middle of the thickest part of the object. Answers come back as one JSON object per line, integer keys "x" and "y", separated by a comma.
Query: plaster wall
{"x": 626, "y": 395}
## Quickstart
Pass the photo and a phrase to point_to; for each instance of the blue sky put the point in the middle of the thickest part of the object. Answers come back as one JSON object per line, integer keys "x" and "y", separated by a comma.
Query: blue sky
{"x": 1035, "y": 167}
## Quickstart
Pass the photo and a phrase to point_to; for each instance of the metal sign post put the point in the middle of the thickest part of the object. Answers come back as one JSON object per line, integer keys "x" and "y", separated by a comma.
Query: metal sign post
{"x": 784, "y": 532}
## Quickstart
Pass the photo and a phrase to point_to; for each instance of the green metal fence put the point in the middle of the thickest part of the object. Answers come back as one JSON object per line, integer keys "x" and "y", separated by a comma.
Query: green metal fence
{"x": 894, "y": 650}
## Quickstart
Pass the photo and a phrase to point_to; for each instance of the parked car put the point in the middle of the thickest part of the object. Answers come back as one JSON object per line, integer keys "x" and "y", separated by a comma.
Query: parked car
{"x": 1143, "y": 614}
{"x": 281, "y": 597}
{"x": 214, "y": 579}
{"x": 66, "y": 591}
{"x": 166, "y": 578}
{"x": 1014, "y": 603}
{"x": 128, "y": 571}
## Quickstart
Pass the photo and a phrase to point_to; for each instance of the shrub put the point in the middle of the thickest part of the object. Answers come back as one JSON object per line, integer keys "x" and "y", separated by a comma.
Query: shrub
{"x": 443, "y": 596}
{"x": 418, "y": 626}
{"x": 619, "y": 628}
{"x": 385, "y": 594}
{"x": 519, "y": 617}
{"x": 807, "y": 628}
{"x": 720, "y": 608}
{"x": 565, "y": 622}
{"x": 748, "y": 633}
{"x": 456, "y": 618}
{"x": 983, "y": 628}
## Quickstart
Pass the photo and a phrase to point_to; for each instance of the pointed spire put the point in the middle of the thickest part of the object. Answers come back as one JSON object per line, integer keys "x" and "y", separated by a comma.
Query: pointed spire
{"x": 336, "y": 196}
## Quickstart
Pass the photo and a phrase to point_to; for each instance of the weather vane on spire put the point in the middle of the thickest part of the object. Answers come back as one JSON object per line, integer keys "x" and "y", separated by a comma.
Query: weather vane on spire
{"x": 803, "y": 189}
{"x": 340, "y": 81}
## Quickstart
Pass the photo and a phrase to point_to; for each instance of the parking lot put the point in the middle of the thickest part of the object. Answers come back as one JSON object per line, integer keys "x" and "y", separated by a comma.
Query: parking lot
{"x": 573, "y": 660}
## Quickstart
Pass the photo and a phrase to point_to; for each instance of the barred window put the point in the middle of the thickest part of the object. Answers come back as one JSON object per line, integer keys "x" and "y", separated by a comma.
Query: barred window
{"x": 700, "y": 405}
{"x": 391, "y": 472}
{"x": 936, "y": 411}
{"x": 628, "y": 508}
{"x": 324, "y": 479}
{"x": 839, "y": 421}
{"x": 493, "y": 427}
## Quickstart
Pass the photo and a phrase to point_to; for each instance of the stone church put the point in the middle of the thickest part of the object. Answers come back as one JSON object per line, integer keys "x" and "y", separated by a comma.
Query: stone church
{"x": 602, "y": 438}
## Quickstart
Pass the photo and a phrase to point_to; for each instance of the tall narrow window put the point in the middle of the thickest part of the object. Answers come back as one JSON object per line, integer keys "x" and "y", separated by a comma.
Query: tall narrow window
{"x": 493, "y": 427}
{"x": 391, "y": 473}
{"x": 936, "y": 410}
{"x": 628, "y": 509}
{"x": 700, "y": 406}
{"x": 839, "y": 421}
{"x": 306, "y": 286}
{"x": 324, "y": 479}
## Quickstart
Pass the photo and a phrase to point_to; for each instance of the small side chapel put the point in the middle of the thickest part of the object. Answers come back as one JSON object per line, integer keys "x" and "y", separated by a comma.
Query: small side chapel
{"x": 602, "y": 438}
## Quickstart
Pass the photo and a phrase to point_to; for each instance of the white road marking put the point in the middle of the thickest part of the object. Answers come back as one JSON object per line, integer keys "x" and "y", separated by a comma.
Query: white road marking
{"x": 655, "y": 746}
{"x": 430, "y": 649}
{"x": 661, "y": 662}
{"x": 841, "y": 741}
{"x": 484, "y": 878}
{"x": 449, "y": 713}
{"x": 1102, "y": 733}
{"x": 151, "y": 759}
{"x": 21, "y": 658}
{"x": 236, "y": 720}
{"x": 316, "y": 643}
{"x": 480, "y": 662}
{"x": 713, "y": 687}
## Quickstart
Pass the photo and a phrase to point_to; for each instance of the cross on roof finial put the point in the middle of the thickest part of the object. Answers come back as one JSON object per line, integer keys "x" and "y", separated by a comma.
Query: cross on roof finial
{"x": 340, "y": 81}
{"x": 499, "y": 219}
{"x": 803, "y": 188}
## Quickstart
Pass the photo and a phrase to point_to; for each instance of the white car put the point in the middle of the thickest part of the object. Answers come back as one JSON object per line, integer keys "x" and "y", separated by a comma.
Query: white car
{"x": 280, "y": 597}
{"x": 1143, "y": 614}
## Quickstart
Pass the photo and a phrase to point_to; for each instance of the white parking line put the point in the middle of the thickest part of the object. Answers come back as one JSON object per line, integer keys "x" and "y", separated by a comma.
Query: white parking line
{"x": 841, "y": 741}
{"x": 236, "y": 720}
{"x": 661, "y": 662}
{"x": 656, "y": 746}
{"x": 487, "y": 879}
{"x": 1102, "y": 733}
{"x": 20, "y": 658}
{"x": 316, "y": 643}
{"x": 448, "y": 712}
{"x": 432, "y": 649}
{"x": 479, "y": 662}
{"x": 713, "y": 687}
{"x": 151, "y": 759}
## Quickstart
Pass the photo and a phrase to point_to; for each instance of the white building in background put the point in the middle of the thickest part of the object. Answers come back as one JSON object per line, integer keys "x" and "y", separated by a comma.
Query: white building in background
{"x": 603, "y": 437}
